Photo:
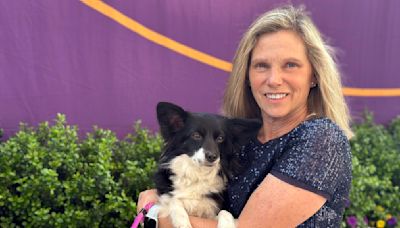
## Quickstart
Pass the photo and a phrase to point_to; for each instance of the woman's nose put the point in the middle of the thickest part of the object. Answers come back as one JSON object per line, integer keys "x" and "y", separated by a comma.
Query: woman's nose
{"x": 274, "y": 78}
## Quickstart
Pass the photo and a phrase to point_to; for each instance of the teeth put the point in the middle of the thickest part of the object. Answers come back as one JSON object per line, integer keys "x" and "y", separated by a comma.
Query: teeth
{"x": 276, "y": 95}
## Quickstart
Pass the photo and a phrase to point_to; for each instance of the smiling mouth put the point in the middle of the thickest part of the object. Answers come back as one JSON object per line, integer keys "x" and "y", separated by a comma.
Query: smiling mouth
{"x": 275, "y": 96}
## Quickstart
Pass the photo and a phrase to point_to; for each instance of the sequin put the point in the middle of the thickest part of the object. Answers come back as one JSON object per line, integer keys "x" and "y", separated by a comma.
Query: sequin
{"x": 314, "y": 156}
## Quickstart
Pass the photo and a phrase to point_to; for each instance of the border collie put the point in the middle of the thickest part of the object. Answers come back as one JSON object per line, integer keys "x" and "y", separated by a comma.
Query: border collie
{"x": 199, "y": 156}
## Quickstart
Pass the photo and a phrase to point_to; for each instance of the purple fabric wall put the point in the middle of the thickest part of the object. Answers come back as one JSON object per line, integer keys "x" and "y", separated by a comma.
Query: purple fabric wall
{"x": 65, "y": 57}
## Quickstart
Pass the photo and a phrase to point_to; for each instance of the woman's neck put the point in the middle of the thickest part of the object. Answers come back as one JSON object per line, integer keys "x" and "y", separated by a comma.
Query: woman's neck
{"x": 275, "y": 127}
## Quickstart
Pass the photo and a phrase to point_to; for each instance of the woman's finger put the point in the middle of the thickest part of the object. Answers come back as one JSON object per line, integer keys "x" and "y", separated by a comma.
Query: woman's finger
{"x": 146, "y": 197}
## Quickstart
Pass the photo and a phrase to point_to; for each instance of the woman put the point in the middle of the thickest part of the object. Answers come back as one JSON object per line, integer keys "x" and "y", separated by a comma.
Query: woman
{"x": 298, "y": 168}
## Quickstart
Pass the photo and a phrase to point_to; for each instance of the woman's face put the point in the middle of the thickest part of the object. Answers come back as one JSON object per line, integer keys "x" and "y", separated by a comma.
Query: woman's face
{"x": 280, "y": 75}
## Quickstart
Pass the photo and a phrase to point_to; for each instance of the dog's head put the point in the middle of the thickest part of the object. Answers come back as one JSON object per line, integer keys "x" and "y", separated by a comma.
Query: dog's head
{"x": 205, "y": 138}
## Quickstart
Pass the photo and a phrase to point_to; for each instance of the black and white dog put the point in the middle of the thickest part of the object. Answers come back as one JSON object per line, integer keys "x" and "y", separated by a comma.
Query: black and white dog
{"x": 198, "y": 158}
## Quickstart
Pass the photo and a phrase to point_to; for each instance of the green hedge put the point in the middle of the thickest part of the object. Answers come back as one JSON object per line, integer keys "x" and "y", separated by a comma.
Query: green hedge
{"x": 375, "y": 194}
{"x": 48, "y": 177}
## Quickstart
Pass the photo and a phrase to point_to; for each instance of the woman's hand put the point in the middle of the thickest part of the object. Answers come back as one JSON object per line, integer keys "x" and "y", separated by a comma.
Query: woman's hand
{"x": 145, "y": 197}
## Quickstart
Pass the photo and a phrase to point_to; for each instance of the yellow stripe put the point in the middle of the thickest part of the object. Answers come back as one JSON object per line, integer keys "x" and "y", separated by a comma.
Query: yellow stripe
{"x": 371, "y": 92}
{"x": 157, "y": 37}
{"x": 203, "y": 57}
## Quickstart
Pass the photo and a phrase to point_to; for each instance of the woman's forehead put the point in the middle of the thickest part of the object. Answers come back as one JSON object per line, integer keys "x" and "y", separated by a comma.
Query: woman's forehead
{"x": 283, "y": 45}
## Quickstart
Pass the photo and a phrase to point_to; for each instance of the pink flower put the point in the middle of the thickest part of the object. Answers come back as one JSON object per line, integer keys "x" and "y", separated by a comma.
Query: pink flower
{"x": 366, "y": 220}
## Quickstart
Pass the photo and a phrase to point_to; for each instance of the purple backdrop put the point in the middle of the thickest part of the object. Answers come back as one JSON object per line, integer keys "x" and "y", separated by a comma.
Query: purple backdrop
{"x": 65, "y": 57}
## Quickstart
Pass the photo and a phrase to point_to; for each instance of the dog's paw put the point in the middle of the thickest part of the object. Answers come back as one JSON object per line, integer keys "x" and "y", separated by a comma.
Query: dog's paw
{"x": 226, "y": 220}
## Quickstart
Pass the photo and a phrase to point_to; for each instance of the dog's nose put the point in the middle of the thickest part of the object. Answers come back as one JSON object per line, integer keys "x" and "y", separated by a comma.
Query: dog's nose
{"x": 211, "y": 157}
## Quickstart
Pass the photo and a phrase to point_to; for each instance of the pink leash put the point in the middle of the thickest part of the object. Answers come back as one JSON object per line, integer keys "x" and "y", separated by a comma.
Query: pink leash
{"x": 140, "y": 217}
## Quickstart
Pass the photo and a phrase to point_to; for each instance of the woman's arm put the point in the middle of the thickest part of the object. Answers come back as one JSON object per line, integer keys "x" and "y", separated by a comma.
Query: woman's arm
{"x": 276, "y": 203}
{"x": 150, "y": 195}
{"x": 195, "y": 221}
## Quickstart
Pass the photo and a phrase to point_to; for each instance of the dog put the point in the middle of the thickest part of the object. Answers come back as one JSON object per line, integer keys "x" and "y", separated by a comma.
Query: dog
{"x": 199, "y": 156}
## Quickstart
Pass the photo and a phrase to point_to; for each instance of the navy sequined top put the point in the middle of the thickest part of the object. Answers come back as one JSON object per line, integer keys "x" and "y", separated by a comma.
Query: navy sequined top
{"x": 314, "y": 156}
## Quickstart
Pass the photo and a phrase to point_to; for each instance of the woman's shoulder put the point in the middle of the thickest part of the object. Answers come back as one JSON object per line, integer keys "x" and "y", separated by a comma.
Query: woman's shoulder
{"x": 317, "y": 153}
{"x": 319, "y": 136}
{"x": 321, "y": 128}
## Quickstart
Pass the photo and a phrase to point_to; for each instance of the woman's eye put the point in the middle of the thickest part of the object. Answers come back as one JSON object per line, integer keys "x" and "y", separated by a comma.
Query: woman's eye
{"x": 196, "y": 136}
{"x": 291, "y": 65}
{"x": 260, "y": 66}
{"x": 220, "y": 139}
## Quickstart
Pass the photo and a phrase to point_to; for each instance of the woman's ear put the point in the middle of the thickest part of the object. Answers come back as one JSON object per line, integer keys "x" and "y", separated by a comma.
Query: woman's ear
{"x": 313, "y": 84}
{"x": 314, "y": 81}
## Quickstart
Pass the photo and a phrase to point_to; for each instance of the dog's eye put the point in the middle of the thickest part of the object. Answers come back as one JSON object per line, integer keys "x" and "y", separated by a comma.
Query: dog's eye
{"x": 196, "y": 136}
{"x": 220, "y": 139}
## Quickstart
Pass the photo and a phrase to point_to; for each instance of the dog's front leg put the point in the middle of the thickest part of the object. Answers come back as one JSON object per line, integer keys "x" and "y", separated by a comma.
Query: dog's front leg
{"x": 179, "y": 216}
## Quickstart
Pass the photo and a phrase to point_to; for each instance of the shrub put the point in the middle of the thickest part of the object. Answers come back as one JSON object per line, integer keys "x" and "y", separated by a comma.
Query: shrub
{"x": 375, "y": 194}
{"x": 394, "y": 129}
{"x": 48, "y": 177}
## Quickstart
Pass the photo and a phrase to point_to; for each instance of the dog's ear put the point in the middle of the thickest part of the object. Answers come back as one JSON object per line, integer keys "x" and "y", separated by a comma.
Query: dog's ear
{"x": 239, "y": 132}
{"x": 171, "y": 118}
{"x": 243, "y": 129}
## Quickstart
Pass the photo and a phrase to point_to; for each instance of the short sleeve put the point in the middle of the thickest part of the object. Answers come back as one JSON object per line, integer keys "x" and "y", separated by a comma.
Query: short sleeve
{"x": 316, "y": 158}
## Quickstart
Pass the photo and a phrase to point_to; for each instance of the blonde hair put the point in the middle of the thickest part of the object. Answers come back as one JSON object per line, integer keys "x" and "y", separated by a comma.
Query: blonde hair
{"x": 324, "y": 100}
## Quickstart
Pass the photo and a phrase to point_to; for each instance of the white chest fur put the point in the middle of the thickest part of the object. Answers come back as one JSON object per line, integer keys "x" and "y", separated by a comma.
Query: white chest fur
{"x": 192, "y": 183}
